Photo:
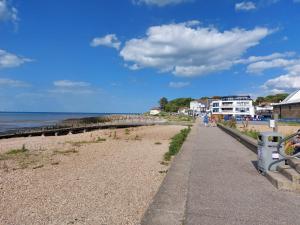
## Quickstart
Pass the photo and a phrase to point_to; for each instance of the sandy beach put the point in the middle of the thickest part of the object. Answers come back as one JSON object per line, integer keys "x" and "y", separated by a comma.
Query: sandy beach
{"x": 104, "y": 177}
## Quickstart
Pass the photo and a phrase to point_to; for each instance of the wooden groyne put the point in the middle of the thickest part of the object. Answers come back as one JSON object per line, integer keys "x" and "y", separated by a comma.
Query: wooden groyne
{"x": 80, "y": 129}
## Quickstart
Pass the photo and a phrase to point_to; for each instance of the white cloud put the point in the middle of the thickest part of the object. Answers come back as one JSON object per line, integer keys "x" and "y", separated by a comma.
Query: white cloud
{"x": 71, "y": 87}
{"x": 160, "y": 3}
{"x": 109, "y": 40}
{"x": 189, "y": 50}
{"x": 178, "y": 84}
{"x": 9, "y": 60}
{"x": 288, "y": 81}
{"x": 8, "y": 12}
{"x": 12, "y": 83}
{"x": 259, "y": 67}
{"x": 245, "y": 6}
{"x": 70, "y": 84}
{"x": 272, "y": 56}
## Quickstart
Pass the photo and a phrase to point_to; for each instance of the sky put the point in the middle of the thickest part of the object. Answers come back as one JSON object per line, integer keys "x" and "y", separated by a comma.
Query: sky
{"x": 123, "y": 56}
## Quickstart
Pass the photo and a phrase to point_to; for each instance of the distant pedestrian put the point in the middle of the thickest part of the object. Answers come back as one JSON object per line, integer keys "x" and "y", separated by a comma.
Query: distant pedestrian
{"x": 205, "y": 120}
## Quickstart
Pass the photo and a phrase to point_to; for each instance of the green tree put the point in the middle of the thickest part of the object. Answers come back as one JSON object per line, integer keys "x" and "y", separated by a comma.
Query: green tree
{"x": 177, "y": 103}
{"x": 163, "y": 102}
{"x": 271, "y": 98}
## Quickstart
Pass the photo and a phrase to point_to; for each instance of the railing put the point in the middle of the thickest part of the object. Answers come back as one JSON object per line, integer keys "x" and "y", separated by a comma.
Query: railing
{"x": 281, "y": 151}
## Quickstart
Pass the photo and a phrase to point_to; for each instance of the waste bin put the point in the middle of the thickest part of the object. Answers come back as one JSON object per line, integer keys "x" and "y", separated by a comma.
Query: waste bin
{"x": 267, "y": 152}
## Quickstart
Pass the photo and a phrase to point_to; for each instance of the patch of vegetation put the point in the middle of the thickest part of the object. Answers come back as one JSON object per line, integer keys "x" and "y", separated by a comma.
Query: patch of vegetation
{"x": 127, "y": 131}
{"x": 174, "y": 105}
{"x": 157, "y": 143}
{"x": 176, "y": 118}
{"x": 65, "y": 152}
{"x": 80, "y": 143}
{"x": 230, "y": 123}
{"x": 99, "y": 139}
{"x": 176, "y": 143}
{"x": 289, "y": 149}
{"x": 289, "y": 123}
{"x": 251, "y": 133}
{"x": 271, "y": 98}
{"x": 164, "y": 163}
{"x": 17, "y": 151}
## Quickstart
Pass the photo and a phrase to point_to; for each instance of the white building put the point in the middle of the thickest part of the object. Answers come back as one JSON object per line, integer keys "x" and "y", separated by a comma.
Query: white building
{"x": 184, "y": 111}
{"x": 155, "y": 111}
{"x": 197, "y": 107}
{"x": 233, "y": 106}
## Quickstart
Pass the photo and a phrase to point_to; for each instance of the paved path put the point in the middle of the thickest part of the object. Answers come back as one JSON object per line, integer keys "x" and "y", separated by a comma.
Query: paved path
{"x": 219, "y": 185}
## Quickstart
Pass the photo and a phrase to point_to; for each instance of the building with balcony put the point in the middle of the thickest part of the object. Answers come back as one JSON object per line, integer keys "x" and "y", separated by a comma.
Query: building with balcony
{"x": 236, "y": 106}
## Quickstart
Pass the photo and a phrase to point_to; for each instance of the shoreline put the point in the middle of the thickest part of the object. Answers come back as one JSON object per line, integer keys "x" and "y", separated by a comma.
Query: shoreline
{"x": 80, "y": 125}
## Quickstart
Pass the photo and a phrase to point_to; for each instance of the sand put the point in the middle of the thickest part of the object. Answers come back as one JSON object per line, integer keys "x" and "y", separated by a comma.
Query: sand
{"x": 82, "y": 179}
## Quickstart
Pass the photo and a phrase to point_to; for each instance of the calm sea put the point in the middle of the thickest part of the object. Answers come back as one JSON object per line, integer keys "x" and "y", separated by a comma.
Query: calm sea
{"x": 16, "y": 120}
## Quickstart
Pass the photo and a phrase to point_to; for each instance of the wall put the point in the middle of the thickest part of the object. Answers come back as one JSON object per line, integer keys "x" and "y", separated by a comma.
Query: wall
{"x": 289, "y": 111}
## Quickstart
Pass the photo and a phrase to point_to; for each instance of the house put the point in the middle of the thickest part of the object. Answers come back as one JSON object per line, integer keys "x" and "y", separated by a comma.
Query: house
{"x": 236, "y": 106}
{"x": 155, "y": 111}
{"x": 289, "y": 108}
{"x": 198, "y": 106}
{"x": 264, "y": 110}
{"x": 184, "y": 111}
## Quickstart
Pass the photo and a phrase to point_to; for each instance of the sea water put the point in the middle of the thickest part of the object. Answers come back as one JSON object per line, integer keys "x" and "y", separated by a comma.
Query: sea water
{"x": 17, "y": 120}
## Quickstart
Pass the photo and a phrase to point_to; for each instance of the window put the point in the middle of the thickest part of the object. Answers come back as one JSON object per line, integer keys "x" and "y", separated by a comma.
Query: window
{"x": 215, "y": 104}
{"x": 216, "y": 110}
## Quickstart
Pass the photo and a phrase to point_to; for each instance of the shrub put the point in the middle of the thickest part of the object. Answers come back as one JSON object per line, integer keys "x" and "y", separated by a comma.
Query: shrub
{"x": 289, "y": 149}
{"x": 176, "y": 143}
{"x": 251, "y": 133}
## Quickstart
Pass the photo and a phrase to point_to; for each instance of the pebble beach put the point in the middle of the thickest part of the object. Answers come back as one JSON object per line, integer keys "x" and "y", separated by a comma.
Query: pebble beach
{"x": 104, "y": 177}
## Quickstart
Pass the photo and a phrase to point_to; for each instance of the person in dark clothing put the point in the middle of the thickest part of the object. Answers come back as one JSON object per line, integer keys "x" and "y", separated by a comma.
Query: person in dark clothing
{"x": 296, "y": 143}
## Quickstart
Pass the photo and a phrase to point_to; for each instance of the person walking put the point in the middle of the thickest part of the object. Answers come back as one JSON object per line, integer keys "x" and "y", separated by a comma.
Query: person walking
{"x": 205, "y": 120}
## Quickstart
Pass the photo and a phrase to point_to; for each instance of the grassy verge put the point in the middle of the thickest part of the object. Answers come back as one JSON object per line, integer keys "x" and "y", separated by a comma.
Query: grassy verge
{"x": 176, "y": 118}
{"x": 176, "y": 143}
{"x": 251, "y": 133}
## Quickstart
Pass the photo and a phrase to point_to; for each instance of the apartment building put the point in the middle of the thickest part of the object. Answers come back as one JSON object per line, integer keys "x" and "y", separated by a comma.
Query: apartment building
{"x": 237, "y": 106}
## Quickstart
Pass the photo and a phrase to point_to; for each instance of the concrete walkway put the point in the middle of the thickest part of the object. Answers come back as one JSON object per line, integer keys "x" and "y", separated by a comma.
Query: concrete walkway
{"x": 213, "y": 181}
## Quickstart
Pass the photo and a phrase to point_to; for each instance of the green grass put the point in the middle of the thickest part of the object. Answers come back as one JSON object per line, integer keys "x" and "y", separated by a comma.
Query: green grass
{"x": 176, "y": 143}
{"x": 176, "y": 118}
{"x": 289, "y": 123}
{"x": 251, "y": 133}
{"x": 80, "y": 143}
{"x": 17, "y": 151}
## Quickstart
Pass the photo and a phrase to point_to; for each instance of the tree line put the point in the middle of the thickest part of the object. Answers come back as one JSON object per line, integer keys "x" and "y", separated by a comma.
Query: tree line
{"x": 270, "y": 99}
{"x": 175, "y": 104}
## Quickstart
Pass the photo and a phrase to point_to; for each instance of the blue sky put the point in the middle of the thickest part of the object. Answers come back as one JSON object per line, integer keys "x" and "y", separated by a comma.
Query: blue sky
{"x": 122, "y": 56}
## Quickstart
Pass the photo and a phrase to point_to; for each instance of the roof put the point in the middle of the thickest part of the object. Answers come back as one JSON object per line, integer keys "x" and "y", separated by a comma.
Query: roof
{"x": 156, "y": 108}
{"x": 292, "y": 98}
{"x": 236, "y": 97}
